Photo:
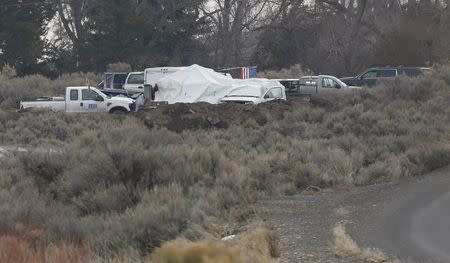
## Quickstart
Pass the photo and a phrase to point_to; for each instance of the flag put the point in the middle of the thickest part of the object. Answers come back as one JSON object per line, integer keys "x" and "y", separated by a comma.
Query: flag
{"x": 245, "y": 74}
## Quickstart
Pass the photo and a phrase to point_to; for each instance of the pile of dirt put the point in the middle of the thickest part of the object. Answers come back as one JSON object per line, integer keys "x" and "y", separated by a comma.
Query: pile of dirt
{"x": 179, "y": 117}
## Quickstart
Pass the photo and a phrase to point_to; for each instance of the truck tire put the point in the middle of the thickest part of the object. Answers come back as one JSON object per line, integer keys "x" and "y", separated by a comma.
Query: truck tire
{"x": 118, "y": 111}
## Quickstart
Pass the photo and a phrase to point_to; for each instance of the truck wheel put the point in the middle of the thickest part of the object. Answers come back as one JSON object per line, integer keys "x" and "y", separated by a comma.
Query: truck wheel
{"x": 118, "y": 111}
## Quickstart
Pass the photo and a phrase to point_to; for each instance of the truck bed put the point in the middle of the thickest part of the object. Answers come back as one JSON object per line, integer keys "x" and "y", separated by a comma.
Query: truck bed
{"x": 53, "y": 103}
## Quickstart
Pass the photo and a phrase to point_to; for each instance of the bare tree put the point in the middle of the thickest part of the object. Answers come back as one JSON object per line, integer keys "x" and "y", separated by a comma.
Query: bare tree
{"x": 73, "y": 15}
{"x": 231, "y": 19}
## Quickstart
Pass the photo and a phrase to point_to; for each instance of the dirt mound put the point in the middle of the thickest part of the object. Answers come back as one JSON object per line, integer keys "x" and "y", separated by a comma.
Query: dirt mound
{"x": 179, "y": 117}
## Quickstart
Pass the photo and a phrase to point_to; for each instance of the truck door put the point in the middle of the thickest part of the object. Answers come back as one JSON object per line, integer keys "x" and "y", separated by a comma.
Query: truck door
{"x": 292, "y": 88}
{"x": 308, "y": 86}
{"x": 368, "y": 79}
{"x": 135, "y": 82}
{"x": 274, "y": 94}
{"x": 73, "y": 101}
{"x": 328, "y": 85}
{"x": 91, "y": 101}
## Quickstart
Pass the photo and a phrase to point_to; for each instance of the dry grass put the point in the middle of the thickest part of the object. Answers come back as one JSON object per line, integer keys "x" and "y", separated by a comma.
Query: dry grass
{"x": 17, "y": 250}
{"x": 257, "y": 246}
{"x": 345, "y": 246}
{"x": 181, "y": 251}
{"x": 260, "y": 245}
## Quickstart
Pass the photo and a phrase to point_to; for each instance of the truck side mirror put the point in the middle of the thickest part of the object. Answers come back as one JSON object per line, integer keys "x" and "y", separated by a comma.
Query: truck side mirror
{"x": 337, "y": 86}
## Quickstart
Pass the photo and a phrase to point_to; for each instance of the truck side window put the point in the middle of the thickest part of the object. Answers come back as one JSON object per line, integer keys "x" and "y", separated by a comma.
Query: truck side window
{"x": 410, "y": 72}
{"x": 370, "y": 75}
{"x": 386, "y": 73}
{"x": 88, "y": 94}
{"x": 328, "y": 83}
{"x": 291, "y": 86}
{"x": 74, "y": 94}
{"x": 274, "y": 93}
{"x": 120, "y": 78}
{"x": 136, "y": 79}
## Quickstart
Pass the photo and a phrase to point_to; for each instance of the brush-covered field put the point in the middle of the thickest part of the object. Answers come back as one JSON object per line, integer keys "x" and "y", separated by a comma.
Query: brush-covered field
{"x": 105, "y": 188}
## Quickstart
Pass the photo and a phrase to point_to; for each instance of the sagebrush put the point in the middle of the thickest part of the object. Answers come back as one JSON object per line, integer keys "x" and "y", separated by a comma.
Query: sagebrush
{"x": 129, "y": 183}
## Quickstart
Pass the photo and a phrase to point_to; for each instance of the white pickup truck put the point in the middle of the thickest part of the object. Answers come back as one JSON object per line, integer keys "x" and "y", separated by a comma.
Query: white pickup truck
{"x": 134, "y": 82}
{"x": 83, "y": 99}
{"x": 255, "y": 91}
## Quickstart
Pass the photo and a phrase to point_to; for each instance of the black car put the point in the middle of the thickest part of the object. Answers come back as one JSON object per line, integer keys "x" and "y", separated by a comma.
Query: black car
{"x": 370, "y": 76}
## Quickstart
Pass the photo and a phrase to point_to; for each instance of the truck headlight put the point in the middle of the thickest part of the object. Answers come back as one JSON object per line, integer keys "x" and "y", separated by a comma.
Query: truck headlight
{"x": 132, "y": 106}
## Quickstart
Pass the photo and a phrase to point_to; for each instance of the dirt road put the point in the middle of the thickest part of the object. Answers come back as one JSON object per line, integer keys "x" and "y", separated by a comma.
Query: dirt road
{"x": 409, "y": 220}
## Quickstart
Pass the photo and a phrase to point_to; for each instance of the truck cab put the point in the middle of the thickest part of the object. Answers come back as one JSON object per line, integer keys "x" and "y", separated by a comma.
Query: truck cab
{"x": 134, "y": 82}
{"x": 85, "y": 99}
{"x": 309, "y": 86}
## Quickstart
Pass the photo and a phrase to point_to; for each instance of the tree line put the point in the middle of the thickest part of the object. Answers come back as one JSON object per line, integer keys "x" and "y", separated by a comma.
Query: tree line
{"x": 339, "y": 37}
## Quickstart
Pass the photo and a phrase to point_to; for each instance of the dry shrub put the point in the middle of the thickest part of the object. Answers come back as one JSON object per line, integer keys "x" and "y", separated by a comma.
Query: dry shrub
{"x": 8, "y": 72}
{"x": 119, "y": 67}
{"x": 15, "y": 89}
{"x": 16, "y": 250}
{"x": 66, "y": 253}
{"x": 259, "y": 245}
{"x": 426, "y": 158}
{"x": 344, "y": 246}
{"x": 294, "y": 72}
{"x": 181, "y": 251}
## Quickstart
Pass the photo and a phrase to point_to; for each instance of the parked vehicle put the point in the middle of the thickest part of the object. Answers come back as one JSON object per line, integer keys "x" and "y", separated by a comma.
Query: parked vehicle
{"x": 256, "y": 92}
{"x": 134, "y": 82}
{"x": 309, "y": 86}
{"x": 83, "y": 99}
{"x": 113, "y": 80}
{"x": 372, "y": 75}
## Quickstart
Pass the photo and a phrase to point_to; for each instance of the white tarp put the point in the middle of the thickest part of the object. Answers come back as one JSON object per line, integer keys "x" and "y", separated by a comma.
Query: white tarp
{"x": 199, "y": 84}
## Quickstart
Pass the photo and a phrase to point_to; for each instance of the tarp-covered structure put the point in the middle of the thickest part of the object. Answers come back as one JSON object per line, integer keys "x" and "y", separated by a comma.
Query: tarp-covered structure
{"x": 199, "y": 84}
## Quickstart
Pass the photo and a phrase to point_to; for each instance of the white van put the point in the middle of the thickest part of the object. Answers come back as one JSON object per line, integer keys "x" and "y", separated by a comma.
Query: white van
{"x": 134, "y": 82}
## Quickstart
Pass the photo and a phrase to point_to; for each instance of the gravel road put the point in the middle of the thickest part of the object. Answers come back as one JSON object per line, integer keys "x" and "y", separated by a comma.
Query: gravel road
{"x": 409, "y": 220}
